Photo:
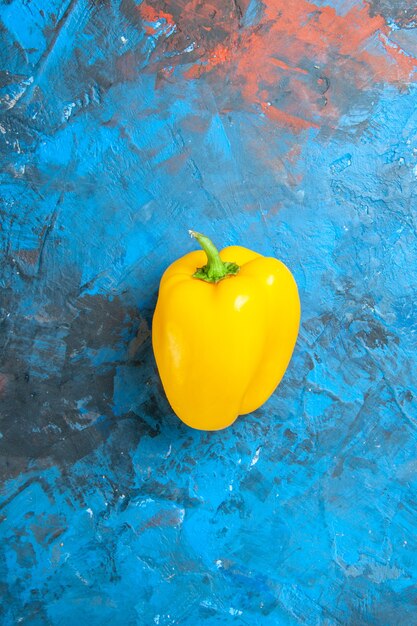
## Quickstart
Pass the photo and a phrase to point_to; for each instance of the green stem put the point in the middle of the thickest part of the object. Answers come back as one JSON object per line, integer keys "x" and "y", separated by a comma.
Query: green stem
{"x": 215, "y": 269}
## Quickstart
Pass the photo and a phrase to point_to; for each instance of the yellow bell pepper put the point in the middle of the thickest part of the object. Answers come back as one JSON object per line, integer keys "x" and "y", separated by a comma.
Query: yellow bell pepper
{"x": 223, "y": 334}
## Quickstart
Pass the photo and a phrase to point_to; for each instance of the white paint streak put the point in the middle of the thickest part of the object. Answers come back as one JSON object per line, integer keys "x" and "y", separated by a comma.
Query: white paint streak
{"x": 233, "y": 611}
{"x": 68, "y": 110}
{"x": 190, "y": 48}
{"x": 144, "y": 502}
{"x": 256, "y": 457}
{"x": 9, "y": 101}
{"x": 83, "y": 580}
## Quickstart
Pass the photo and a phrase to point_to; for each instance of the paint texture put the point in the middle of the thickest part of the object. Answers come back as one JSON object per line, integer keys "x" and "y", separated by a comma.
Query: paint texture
{"x": 286, "y": 127}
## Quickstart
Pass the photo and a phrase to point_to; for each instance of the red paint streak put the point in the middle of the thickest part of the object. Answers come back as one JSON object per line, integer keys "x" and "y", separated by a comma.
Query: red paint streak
{"x": 294, "y": 154}
{"x": 284, "y": 66}
{"x": 308, "y": 61}
{"x": 219, "y": 56}
{"x": 296, "y": 124}
{"x": 150, "y": 14}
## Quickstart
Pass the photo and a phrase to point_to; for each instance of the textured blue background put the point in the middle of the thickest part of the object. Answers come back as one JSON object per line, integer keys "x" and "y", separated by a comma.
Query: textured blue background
{"x": 292, "y": 131}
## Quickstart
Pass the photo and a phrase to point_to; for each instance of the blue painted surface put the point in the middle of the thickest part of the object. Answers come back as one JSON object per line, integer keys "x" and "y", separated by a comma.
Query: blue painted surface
{"x": 122, "y": 126}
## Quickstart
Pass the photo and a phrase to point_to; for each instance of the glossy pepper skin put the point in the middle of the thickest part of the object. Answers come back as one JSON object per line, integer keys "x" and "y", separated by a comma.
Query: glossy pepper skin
{"x": 223, "y": 335}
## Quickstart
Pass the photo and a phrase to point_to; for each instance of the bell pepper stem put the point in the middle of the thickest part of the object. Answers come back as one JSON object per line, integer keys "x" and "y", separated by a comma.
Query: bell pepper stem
{"x": 215, "y": 269}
